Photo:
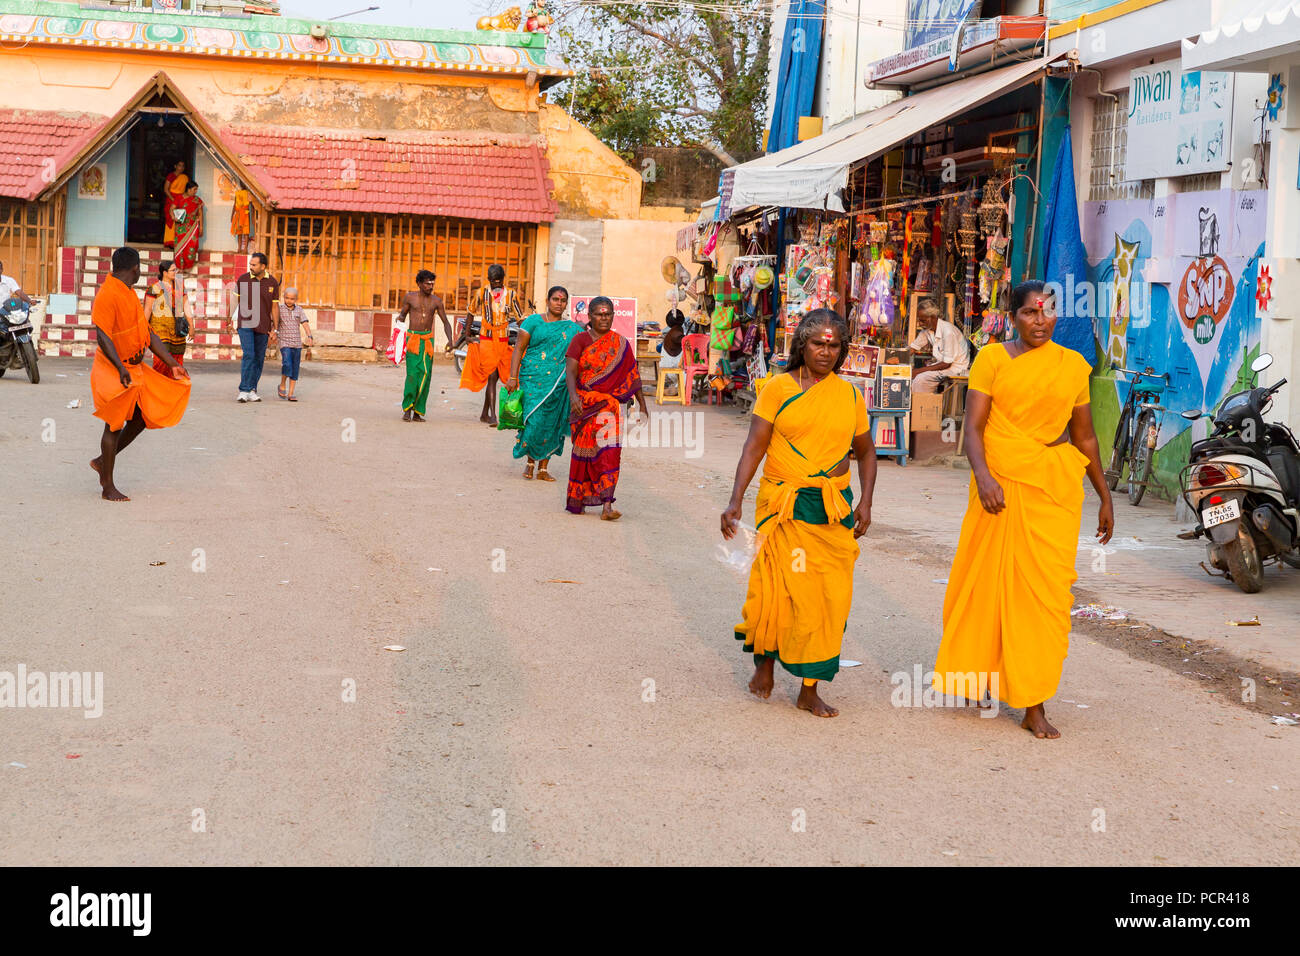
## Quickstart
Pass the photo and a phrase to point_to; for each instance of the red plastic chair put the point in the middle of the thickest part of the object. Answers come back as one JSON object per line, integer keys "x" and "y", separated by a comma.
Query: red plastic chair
{"x": 695, "y": 360}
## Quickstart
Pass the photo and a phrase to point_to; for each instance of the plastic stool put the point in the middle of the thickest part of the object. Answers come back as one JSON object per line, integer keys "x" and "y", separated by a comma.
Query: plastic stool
{"x": 899, "y": 447}
{"x": 683, "y": 397}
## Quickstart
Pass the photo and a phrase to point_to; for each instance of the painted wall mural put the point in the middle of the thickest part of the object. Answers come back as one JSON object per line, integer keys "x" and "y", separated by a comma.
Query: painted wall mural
{"x": 1177, "y": 284}
{"x": 519, "y": 56}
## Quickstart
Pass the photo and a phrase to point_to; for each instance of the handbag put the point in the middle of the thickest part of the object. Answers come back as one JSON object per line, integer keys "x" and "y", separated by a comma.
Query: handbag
{"x": 182, "y": 327}
{"x": 396, "y": 350}
{"x": 512, "y": 409}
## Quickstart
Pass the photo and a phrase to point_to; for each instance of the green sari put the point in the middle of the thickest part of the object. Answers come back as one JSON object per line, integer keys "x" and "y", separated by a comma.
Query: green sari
{"x": 546, "y": 397}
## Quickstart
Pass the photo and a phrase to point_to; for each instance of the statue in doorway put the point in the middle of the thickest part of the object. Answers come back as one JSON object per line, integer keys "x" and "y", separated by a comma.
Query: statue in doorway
{"x": 173, "y": 190}
{"x": 241, "y": 218}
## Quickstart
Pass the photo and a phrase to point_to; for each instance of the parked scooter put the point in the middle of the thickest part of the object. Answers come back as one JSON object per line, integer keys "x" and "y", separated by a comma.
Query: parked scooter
{"x": 17, "y": 350}
{"x": 460, "y": 348}
{"x": 1243, "y": 483}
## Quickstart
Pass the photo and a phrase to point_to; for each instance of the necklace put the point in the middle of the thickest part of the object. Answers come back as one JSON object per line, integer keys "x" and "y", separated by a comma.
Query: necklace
{"x": 814, "y": 382}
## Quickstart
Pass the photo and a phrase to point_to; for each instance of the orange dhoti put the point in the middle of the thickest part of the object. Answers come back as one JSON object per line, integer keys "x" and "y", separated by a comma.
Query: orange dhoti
{"x": 482, "y": 359}
{"x": 160, "y": 398}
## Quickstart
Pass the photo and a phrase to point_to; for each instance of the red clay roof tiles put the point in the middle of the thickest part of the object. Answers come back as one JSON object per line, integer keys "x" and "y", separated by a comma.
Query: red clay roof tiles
{"x": 35, "y": 145}
{"x": 471, "y": 176}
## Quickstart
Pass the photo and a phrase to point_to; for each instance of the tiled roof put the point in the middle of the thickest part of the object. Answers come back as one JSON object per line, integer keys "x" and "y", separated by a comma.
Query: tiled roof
{"x": 472, "y": 176}
{"x": 35, "y": 145}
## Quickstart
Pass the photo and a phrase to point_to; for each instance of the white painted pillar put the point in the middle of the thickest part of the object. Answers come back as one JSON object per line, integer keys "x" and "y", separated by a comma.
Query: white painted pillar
{"x": 1282, "y": 256}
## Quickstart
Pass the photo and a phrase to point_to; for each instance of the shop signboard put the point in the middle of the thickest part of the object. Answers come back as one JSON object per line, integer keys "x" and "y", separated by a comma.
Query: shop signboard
{"x": 1179, "y": 124}
{"x": 624, "y": 314}
{"x": 930, "y": 57}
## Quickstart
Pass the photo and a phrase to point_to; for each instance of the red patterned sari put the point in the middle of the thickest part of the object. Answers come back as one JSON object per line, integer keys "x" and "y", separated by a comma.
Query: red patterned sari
{"x": 188, "y": 214}
{"x": 607, "y": 379}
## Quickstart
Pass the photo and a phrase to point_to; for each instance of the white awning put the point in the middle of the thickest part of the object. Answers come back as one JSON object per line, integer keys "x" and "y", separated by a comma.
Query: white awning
{"x": 1257, "y": 32}
{"x": 809, "y": 175}
{"x": 707, "y": 209}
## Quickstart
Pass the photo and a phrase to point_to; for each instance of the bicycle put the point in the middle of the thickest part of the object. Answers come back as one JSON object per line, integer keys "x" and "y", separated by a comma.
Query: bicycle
{"x": 1136, "y": 433}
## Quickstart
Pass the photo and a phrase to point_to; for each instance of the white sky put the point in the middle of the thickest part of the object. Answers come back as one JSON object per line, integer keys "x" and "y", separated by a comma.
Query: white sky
{"x": 435, "y": 14}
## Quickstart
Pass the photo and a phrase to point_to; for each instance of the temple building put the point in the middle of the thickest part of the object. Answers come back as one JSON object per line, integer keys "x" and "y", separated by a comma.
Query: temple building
{"x": 352, "y": 154}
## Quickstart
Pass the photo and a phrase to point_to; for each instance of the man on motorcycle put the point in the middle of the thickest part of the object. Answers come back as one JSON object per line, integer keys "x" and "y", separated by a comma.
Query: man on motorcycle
{"x": 10, "y": 289}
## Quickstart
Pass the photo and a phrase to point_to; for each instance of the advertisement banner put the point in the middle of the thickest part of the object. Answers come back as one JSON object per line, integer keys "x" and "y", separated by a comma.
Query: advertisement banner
{"x": 624, "y": 314}
{"x": 929, "y": 20}
{"x": 1179, "y": 123}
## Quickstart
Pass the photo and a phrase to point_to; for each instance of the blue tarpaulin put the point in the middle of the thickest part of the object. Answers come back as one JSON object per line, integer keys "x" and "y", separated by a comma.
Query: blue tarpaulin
{"x": 797, "y": 74}
{"x": 1065, "y": 260}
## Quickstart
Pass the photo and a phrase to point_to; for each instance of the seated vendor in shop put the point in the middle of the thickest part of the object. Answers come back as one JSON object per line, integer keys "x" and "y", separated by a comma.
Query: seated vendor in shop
{"x": 948, "y": 348}
{"x": 671, "y": 344}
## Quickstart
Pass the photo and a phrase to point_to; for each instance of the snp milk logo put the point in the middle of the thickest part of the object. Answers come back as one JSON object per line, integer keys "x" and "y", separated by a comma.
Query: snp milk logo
{"x": 122, "y": 910}
{"x": 1205, "y": 297}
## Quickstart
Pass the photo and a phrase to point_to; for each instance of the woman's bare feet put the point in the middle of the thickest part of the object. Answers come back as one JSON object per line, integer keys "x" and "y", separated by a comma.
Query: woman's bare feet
{"x": 1036, "y": 723}
{"x": 528, "y": 470}
{"x": 406, "y": 415}
{"x": 542, "y": 473}
{"x": 809, "y": 701}
{"x": 760, "y": 685}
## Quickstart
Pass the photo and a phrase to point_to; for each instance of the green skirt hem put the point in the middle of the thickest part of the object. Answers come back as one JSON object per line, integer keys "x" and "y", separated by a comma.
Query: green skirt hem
{"x": 813, "y": 670}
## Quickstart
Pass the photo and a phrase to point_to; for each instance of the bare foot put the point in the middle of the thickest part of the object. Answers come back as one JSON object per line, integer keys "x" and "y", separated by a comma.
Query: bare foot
{"x": 406, "y": 415}
{"x": 416, "y": 417}
{"x": 809, "y": 701}
{"x": 110, "y": 493}
{"x": 491, "y": 420}
{"x": 1036, "y": 723}
{"x": 609, "y": 514}
{"x": 484, "y": 418}
{"x": 760, "y": 685}
{"x": 95, "y": 462}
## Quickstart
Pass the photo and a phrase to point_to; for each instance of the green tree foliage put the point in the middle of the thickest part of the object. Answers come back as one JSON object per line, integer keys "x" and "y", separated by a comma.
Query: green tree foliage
{"x": 668, "y": 73}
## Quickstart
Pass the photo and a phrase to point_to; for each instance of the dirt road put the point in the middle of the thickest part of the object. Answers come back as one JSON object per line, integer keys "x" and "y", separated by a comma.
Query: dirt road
{"x": 267, "y": 560}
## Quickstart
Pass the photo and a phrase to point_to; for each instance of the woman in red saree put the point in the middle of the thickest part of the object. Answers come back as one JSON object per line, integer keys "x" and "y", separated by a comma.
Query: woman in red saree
{"x": 188, "y": 215}
{"x": 602, "y": 376}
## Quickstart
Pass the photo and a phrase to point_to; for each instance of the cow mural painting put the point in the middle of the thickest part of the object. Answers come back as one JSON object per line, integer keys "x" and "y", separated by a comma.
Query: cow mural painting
{"x": 1178, "y": 279}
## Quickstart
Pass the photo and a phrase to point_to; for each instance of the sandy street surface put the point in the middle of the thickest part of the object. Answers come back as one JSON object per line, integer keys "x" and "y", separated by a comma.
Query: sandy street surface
{"x": 587, "y": 696}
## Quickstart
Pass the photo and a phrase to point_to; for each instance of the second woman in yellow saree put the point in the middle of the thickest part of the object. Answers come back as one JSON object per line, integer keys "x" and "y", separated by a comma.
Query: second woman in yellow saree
{"x": 1030, "y": 440}
{"x": 805, "y": 422}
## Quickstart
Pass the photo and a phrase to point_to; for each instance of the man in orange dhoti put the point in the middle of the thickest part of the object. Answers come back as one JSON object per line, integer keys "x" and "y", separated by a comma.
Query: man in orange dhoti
{"x": 129, "y": 395}
{"x": 489, "y": 353}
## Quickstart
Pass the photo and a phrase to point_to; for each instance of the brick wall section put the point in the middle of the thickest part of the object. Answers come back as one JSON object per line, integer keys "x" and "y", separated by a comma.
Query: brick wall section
{"x": 83, "y": 270}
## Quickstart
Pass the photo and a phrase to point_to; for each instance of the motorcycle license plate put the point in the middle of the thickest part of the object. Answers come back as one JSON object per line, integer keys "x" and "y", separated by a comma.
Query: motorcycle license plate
{"x": 1218, "y": 514}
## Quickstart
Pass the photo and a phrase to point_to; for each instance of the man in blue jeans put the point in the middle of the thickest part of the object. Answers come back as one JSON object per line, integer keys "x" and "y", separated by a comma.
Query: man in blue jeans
{"x": 257, "y": 294}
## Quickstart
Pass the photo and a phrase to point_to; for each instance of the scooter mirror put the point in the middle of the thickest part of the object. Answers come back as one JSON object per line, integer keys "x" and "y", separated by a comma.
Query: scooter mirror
{"x": 1191, "y": 415}
{"x": 1262, "y": 361}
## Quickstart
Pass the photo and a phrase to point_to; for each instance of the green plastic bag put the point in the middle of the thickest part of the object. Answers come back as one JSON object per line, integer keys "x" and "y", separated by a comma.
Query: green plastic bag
{"x": 511, "y": 411}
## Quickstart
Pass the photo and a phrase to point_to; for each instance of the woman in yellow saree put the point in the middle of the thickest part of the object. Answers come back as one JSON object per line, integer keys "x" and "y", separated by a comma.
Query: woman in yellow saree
{"x": 805, "y": 422}
{"x": 1029, "y": 438}
{"x": 173, "y": 190}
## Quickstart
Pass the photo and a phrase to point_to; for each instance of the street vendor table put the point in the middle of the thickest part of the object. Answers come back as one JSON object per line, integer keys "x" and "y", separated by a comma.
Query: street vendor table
{"x": 894, "y": 416}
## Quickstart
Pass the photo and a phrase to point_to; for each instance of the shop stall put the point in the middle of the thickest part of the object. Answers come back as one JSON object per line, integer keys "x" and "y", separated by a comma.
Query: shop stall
{"x": 936, "y": 201}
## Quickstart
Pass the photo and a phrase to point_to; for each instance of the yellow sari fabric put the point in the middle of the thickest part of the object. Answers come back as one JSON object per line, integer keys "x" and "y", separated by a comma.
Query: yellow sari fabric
{"x": 801, "y": 582}
{"x": 1006, "y": 613}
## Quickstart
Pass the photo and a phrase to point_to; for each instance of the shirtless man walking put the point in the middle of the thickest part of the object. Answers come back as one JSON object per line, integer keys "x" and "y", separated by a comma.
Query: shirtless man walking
{"x": 420, "y": 307}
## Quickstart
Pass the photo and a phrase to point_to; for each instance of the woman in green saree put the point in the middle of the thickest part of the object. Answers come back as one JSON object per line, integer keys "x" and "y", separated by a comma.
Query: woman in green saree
{"x": 538, "y": 365}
